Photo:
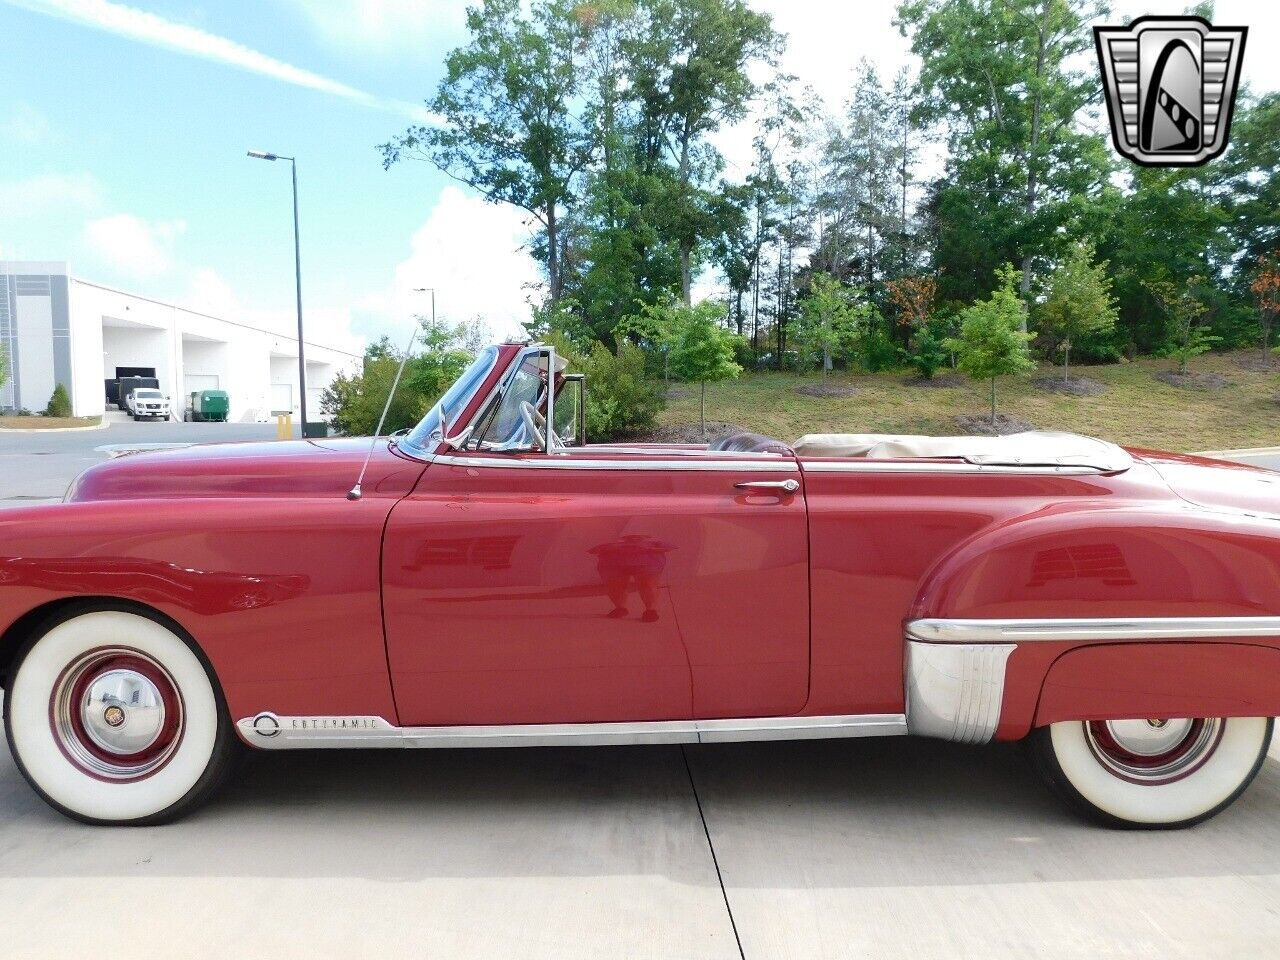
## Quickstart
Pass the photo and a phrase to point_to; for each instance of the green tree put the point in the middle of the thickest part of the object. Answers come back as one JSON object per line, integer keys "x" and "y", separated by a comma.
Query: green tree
{"x": 1185, "y": 309}
{"x": 59, "y": 403}
{"x": 511, "y": 106}
{"x": 704, "y": 351}
{"x": 833, "y": 318}
{"x": 1011, "y": 80}
{"x": 991, "y": 343}
{"x": 690, "y": 73}
{"x": 622, "y": 398}
{"x": 1077, "y": 302}
{"x": 354, "y": 403}
{"x": 4, "y": 365}
{"x": 658, "y": 328}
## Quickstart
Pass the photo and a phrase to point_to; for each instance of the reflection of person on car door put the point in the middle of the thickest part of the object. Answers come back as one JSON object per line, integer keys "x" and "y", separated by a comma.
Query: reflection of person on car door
{"x": 634, "y": 558}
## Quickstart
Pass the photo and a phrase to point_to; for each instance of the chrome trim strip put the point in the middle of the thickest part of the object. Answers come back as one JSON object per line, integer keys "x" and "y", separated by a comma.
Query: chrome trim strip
{"x": 1098, "y": 628}
{"x": 955, "y": 691}
{"x": 271, "y": 732}
{"x": 566, "y": 461}
{"x": 907, "y": 466}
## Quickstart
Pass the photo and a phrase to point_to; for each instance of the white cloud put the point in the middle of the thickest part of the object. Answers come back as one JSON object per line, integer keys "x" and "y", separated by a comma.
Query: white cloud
{"x": 473, "y": 254}
{"x": 132, "y": 245}
{"x": 48, "y": 194}
{"x": 25, "y": 125}
{"x": 148, "y": 28}
{"x": 401, "y": 27}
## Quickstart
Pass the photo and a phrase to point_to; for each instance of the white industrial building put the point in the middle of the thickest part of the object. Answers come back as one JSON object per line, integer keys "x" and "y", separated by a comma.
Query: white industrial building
{"x": 56, "y": 328}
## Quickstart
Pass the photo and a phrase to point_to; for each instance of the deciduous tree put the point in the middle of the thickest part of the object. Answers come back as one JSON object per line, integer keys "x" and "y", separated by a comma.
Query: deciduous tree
{"x": 704, "y": 352}
{"x": 1077, "y": 302}
{"x": 992, "y": 343}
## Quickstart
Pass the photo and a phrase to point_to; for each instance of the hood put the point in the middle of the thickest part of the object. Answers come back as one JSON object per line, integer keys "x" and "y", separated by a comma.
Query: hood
{"x": 1218, "y": 484}
{"x": 288, "y": 468}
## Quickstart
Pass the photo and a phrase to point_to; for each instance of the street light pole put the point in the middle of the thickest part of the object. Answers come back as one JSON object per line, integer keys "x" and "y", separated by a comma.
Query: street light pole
{"x": 432, "y": 291}
{"x": 297, "y": 271}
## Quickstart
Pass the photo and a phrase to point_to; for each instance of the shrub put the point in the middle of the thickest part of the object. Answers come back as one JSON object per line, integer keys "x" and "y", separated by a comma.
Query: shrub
{"x": 927, "y": 352}
{"x": 59, "y": 403}
{"x": 622, "y": 398}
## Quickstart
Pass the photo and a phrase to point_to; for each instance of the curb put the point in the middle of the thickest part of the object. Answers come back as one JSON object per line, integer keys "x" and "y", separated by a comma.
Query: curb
{"x": 97, "y": 426}
{"x": 1243, "y": 452}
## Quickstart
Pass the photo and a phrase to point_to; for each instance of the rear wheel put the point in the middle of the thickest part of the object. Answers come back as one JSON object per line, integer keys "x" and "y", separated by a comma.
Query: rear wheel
{"x": 1152, "y": 774}
{"x": 113, "y": 718}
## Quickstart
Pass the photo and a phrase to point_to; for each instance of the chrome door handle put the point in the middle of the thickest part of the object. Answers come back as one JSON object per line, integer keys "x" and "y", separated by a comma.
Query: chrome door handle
{"x": 790, "y": 486}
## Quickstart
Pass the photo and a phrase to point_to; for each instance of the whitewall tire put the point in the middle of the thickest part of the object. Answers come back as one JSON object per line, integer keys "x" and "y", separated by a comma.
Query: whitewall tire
{"x": 1152, "y": 774}
{"x": 113, "y": 718}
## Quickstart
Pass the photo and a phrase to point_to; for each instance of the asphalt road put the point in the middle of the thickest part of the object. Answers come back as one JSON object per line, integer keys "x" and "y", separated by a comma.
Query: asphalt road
{"x": 884, "y": 849}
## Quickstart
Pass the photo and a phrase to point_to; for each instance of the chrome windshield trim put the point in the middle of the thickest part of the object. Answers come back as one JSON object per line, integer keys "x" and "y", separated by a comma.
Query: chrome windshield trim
{"x": 271, "y": 732}
{"x": 906, "y": 466}
{"x": 566, "y": 461}
{"x": 1099, "y": 629}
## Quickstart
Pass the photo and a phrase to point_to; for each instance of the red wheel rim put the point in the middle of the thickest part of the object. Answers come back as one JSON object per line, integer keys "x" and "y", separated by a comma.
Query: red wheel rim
{"x": 116, "y": 714}
{"x": 1154, "y": 752}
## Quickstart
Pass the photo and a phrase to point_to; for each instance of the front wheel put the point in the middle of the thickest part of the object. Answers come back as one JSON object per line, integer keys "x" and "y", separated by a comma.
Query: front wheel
{"x": 112, "y": 717}
{"x": 1151, "y": 774}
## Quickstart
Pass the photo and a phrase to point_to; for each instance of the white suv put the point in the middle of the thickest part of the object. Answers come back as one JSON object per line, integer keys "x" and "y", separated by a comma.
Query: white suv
{"x": 148, "y": 402}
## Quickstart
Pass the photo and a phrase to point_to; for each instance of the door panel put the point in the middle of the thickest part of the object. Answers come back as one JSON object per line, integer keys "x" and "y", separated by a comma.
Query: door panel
{"x": 554, "y": 595}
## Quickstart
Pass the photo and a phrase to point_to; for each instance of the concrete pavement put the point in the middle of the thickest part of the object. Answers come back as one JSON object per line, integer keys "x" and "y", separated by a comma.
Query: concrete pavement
{"x": 884, "y": 849}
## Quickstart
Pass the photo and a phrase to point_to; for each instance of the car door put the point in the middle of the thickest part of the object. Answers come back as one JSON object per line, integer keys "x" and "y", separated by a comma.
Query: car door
{"x": 592, "y": 586}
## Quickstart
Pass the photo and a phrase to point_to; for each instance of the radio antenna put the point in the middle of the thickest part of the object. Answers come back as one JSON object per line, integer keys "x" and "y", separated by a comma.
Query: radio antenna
{"x": 355, "y": 493}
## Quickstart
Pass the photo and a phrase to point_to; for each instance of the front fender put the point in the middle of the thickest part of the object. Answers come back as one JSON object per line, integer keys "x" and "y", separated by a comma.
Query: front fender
{"x": 281, "y": 594}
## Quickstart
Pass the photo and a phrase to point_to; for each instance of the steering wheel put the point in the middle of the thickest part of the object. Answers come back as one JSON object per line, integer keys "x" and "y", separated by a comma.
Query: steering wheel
{"x": 535, "y": 423}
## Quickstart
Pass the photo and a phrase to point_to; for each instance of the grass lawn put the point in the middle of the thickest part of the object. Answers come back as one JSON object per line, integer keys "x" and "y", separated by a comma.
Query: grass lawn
{"x": 1136, "y": 409}
{"x": 46, "y": 423}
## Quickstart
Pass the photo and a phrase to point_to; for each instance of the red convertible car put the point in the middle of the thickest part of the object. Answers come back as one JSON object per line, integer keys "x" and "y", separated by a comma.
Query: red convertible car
{"x": 494, "y": 580}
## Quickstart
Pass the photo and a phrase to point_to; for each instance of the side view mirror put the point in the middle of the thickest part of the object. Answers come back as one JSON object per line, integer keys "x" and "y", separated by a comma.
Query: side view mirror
{"x": 571, "y": 411}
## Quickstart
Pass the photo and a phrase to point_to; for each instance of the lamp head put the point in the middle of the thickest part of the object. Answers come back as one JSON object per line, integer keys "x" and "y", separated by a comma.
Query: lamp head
{"x": 262, "y": 155}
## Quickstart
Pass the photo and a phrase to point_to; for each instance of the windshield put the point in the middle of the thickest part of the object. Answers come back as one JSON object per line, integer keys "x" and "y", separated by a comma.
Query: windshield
{"x": 147, "y": 394}
{"x": 448, "y": 407}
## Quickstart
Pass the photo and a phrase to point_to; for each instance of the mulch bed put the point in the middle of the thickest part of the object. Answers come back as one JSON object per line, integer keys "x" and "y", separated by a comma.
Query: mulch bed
{"x": 826, "y": 390}
{"x": 1192, "y": 380}
{"x": 1074, "y": 386}
{"x": 691, "y": 432}
{"x": 979, "y": 424}
{"x": 675, "y": 393}
{"x": 939, "y": 381}
{"x": 1257, "y": 362}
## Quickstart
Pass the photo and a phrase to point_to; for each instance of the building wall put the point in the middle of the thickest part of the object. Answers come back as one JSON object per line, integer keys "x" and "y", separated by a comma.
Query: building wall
{"x": 58, "y": 329}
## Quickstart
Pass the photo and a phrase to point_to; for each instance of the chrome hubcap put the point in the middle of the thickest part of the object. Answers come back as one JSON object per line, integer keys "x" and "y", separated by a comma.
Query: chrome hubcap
{"x": 1149, "y": 738}
{"x": 116, "y": 714}
{"x": 1153, "y": 751}
{"x": 122, "y": 712}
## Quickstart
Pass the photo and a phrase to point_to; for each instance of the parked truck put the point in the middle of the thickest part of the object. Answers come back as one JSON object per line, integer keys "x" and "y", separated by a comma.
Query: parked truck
{"x": 126, "y": 385}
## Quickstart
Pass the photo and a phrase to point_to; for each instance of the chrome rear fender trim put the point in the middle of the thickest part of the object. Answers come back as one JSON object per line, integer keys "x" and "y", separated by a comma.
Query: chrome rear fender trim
{"x": 1094, "y": 629}
{"x": 271, "y": 732}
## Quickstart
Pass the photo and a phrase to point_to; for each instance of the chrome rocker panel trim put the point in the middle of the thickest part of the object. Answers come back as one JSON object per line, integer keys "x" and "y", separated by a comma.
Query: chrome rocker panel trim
{"x": 270, "y": 732}
{"x": 1099, "y": 628}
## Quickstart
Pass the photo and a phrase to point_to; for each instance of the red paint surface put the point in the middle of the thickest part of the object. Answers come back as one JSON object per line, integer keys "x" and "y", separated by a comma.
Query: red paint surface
{"x": 531, "y": 596}
{"x": 1161, "y": 680}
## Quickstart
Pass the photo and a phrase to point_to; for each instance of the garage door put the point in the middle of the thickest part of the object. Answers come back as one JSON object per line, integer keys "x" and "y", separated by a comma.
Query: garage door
{"x": 281, "y": 397}
{"x": 195, "y": 382}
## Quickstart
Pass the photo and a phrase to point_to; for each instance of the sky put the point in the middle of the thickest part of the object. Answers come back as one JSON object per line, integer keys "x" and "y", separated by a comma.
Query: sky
{"x": 124, "y": 129}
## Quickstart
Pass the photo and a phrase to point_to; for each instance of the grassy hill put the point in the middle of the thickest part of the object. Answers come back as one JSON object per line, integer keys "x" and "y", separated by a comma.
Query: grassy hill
{"x": 1134, "y": 408}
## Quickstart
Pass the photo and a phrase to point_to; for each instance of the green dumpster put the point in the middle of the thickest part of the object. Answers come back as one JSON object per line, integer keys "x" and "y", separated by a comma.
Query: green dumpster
{"x": 208, "y": 405}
